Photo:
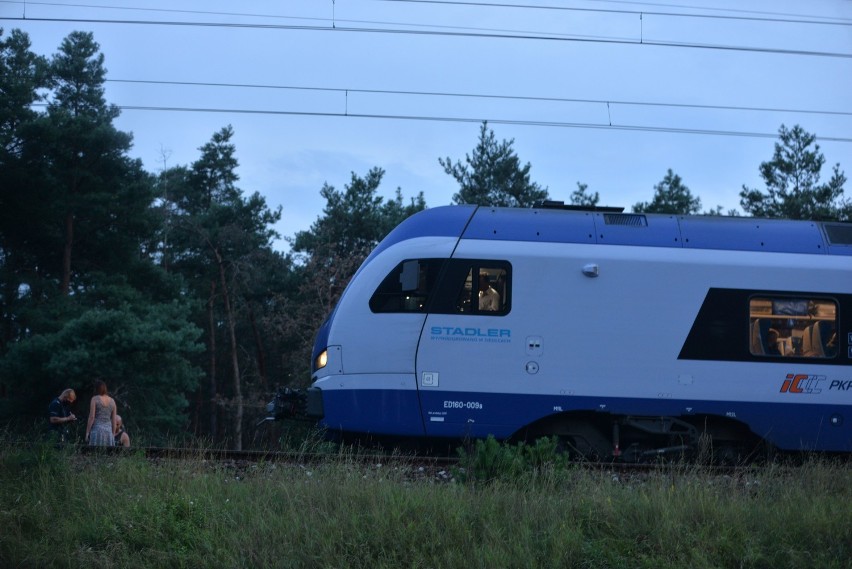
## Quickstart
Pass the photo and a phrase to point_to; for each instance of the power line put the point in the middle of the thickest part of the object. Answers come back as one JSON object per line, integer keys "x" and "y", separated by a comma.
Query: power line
{"x": 554, "y": 124}
{"x": 709, "y": 8}
{"x": 457, "y": 34}
{"x": 450, "y": 94}
{"x": 332, "y": 21}
{"x": 788, "y": 20}
{"x": 483, "y": 96}
{"x": 172, "y": 11}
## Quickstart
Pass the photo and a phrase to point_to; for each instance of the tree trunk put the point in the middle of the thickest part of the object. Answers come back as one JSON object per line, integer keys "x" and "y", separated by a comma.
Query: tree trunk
{"x": 211, "y": 321}
{"x": 235, "y": 363}
{"x": 66, "y": 254}
{"x": 10, "y": 291}
{"x": 261, "y": 354}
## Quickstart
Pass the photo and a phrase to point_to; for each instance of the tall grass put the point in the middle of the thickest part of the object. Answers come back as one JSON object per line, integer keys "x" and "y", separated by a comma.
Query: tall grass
{"x": 62, "y": 509}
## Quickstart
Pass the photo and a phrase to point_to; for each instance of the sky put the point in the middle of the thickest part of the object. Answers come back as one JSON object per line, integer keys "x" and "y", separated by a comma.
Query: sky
{"x": 610, "y": 94}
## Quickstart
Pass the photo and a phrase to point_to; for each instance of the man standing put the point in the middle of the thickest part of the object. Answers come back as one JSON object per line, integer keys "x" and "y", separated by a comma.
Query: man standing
{"x": 59, "y": 414}
{"x": 489, "y": 299}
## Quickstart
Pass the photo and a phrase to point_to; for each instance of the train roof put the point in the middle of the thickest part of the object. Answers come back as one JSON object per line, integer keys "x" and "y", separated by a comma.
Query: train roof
{"x": 607, "y": 227}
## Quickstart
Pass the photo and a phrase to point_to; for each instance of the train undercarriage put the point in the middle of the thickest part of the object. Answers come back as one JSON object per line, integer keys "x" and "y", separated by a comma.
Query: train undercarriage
{"x": 627, "y": 438}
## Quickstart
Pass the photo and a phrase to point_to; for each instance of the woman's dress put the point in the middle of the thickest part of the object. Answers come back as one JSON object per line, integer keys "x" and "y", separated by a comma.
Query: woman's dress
{"x": 101, "y": 433}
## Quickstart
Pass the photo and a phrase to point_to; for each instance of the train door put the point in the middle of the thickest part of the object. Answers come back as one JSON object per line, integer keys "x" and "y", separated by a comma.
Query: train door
{"x": 466, "y": 342}
{"x": 380, "y": 358}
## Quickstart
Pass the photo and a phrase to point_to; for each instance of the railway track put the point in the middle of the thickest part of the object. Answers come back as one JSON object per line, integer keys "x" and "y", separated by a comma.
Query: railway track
{"x": 269, "y": 456}
{"x": 442, "y": 468}
{"x": 422, "y": 462}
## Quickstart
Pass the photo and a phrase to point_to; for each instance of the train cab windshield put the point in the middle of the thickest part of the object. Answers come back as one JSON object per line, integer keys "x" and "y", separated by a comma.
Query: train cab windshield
{"x": 446, "y": 286}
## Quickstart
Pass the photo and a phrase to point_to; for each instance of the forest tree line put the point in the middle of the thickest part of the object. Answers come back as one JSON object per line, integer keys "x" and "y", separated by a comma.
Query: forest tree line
{"x": 167, "y": 285}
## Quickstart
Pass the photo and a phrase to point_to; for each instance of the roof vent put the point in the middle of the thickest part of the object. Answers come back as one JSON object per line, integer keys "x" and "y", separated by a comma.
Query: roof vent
{"x": 628, "y": 219}
{"x": 839, "y": 233}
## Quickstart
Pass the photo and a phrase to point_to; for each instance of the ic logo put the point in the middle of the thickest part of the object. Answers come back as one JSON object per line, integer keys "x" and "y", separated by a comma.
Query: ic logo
{"x": 802, "y": 383}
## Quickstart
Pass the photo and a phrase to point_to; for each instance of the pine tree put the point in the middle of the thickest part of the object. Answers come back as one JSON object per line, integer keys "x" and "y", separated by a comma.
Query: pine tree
{"x": 793, "y": 188}
{"x": 671, "y": 196}
{"x": 493, "y": 176}
{"x": 216, "y": 235}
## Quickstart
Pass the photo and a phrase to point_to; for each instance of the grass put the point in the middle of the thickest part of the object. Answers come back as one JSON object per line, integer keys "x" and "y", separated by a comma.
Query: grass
{"x": 62, "y": 509}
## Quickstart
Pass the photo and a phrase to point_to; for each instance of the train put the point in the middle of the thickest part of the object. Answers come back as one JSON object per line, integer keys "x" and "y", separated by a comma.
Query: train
{"x": 624, "y": 335}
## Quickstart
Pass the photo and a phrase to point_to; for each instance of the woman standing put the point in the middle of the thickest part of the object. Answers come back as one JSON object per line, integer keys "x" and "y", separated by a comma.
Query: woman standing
{"x": 102, "y": 422}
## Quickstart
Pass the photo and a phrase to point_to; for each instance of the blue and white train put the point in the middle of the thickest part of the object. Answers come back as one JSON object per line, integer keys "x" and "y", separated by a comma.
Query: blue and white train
{"x": 627, "y": 335}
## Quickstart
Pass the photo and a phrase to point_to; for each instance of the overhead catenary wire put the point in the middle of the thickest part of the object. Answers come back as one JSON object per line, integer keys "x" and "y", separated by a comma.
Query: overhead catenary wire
{"x": 491, "y": 120}
{"x": 333, "y": 21}
{"x": 765, "y": 16}
{"x": 707, "y": 8}
{"x": 426, "y": 117}
{"x": 448, "y": 94}
{"x": 768, "y": 17}
{"x": 443, "y": 33}
{"x": 788, "y": 19}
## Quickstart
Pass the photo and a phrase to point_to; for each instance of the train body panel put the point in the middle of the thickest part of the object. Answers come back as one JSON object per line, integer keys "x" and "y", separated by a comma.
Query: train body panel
{"x": 594, "y": 327}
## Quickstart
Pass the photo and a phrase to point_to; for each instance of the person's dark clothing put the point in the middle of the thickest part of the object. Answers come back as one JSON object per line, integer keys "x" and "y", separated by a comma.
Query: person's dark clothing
{"x": 58, "y": 408}
{"x": 120, "y": 432}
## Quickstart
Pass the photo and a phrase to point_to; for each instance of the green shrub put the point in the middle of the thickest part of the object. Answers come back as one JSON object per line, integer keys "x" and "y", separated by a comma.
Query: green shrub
{"x": 489, "y": 460}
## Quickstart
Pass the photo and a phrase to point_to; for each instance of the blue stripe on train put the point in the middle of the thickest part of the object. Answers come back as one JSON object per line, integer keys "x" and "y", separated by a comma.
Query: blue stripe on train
{"x": 374, "y": 411}
{"x": 459, "y": 414}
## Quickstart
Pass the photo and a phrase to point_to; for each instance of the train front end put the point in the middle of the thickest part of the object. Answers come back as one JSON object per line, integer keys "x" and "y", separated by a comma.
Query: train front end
{"x": 363, "y": 362}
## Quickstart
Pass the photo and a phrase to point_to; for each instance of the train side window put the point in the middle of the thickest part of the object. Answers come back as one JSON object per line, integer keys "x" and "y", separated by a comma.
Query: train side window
{"x": 484, "y": 289}
{"x": 408, "y": 287}
{"x": 793, "y": 327}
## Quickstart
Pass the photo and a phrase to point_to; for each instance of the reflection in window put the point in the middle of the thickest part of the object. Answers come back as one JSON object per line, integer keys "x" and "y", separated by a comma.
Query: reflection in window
{"x": 793, "y": 327}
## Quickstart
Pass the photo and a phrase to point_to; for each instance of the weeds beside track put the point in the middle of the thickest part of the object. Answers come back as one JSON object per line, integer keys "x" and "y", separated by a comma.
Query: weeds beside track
{"x": 196, "y": 508}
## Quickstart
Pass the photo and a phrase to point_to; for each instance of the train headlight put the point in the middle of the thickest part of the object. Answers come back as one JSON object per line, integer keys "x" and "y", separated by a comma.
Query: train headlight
{"x": 321, "y": 360}
{"x": 327, "y": 362}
